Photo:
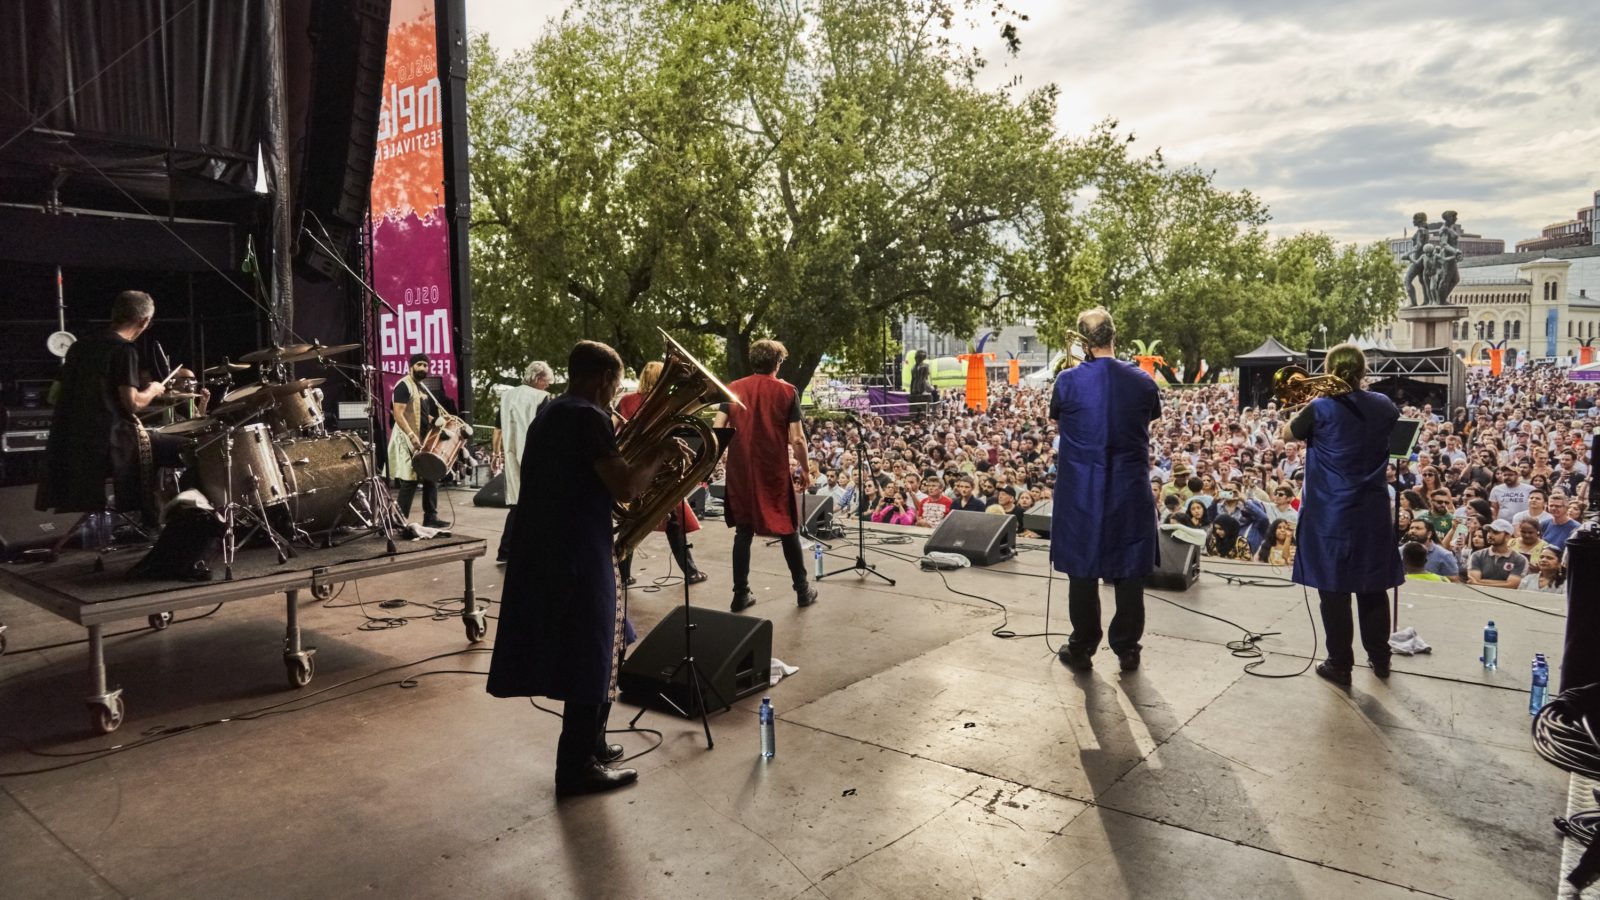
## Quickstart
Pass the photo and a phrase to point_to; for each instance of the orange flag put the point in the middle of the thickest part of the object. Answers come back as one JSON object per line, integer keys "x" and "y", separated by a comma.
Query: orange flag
{"x": 1014, "y": 373}
{"x": 1497, "y": 358}
{"x": 977, "y": 380}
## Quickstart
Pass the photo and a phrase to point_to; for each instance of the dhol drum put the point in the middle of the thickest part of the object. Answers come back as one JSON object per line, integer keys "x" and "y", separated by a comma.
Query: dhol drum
{"x": 441, "y": 448}
{"x": 323, "y": 474}
{"x": 297, "y": 413}
{"x": 256, "y": 479}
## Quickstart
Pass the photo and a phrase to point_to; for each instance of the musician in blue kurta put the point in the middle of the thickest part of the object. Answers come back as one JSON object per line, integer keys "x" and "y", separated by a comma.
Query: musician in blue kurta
{"x": 1103, "y": 524}
{"x": 1346, "y": 532}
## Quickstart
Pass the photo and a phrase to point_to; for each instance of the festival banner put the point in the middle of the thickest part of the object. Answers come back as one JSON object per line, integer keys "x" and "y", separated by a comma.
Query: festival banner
{"x": 410, "y": 231}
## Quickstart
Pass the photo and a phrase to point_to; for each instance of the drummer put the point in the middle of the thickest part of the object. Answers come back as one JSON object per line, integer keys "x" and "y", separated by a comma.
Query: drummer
{"x": 415, "y": 414}
{"x": 95, "y": 431}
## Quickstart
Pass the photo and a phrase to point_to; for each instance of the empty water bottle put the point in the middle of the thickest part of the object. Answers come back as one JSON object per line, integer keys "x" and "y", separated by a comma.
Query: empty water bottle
{"x": 1491, "y": 647}
{"x": 1541, "y": 684}
{"x": 816, "y": 555}
{"x": 769, "y": 738}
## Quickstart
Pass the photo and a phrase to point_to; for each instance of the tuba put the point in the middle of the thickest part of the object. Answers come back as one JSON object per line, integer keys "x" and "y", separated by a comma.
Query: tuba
{"x": 685, "y": 388}
{"x": 1293, "y": 386}
{"x": 1077, "y": 349}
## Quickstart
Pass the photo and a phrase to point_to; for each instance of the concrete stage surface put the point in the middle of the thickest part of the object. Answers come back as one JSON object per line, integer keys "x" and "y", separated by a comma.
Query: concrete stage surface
{"x": 918, "y": 756}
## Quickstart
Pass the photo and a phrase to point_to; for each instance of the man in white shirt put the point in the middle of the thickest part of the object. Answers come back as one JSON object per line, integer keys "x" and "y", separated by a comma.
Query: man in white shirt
{"x": 518, "y": 407}
{"x": 1510, "y": 496}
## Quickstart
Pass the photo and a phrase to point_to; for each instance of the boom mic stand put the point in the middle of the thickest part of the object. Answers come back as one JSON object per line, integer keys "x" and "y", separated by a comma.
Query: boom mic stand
{"x": 697, "y": 681}
{"x": 861, "y": 567}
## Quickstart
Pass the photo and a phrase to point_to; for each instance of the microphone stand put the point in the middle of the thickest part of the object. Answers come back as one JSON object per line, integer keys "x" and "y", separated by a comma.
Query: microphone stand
{"x": 861, "y": 567}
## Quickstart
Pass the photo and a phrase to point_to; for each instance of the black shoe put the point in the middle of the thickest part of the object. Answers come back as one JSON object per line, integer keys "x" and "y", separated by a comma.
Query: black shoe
{"x": 742, "y": 600}
{"x": 695, "y": 577}
{"x": 630, "y": 581}
{"x": 1130, "y": 661}
{"x": 501, "y": 560}
{"x": 592, "y": 779}
{"x": 1337, "y": 676}
{"x": 1075, "y": 659}
{"x": 435, "y": 523}
{"x": 608, "y": 753}
{"x": 805, "y": 596}
{"x": 1380, "y": 669}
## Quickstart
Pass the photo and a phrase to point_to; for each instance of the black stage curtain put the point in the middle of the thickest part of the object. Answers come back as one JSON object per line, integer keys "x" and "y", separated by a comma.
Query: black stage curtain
{"x": 161, "y": 96}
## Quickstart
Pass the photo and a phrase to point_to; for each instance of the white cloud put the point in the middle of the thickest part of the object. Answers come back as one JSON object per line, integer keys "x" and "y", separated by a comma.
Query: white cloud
{"x": 1345, "y": 117}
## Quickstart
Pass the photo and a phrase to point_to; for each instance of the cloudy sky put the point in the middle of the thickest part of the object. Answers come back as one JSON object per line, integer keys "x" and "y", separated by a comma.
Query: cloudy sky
{"x": 1346, "y": 116}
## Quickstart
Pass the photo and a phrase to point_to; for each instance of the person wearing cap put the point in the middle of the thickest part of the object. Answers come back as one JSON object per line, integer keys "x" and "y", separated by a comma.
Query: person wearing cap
{"x": 1498, "y": 565}
{"x": 1345, "y": 543}
{"x": 1103, "y": 409}
{"x": 415, "y": 410}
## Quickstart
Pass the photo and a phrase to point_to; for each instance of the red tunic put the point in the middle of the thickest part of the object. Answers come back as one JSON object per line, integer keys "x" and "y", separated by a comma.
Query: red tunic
{"x": 760, "y": 488}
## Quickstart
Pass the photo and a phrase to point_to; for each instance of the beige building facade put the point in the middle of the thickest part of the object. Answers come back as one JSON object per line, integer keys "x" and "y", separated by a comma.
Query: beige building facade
{"x": 1529, "y": 309}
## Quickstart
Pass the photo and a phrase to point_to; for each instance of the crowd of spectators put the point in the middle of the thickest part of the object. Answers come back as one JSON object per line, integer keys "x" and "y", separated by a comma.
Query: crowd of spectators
{"x": 1491, "y": 493}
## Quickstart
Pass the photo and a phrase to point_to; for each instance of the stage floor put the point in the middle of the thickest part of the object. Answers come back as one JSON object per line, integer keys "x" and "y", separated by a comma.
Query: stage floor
{"x": 918, "y": 756}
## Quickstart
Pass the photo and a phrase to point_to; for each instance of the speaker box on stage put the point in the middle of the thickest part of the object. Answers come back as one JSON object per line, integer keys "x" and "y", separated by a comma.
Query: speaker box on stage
{"x": 23, "y": 528}
{"x": 734, "y": 653}
{"x": 816, "y": 515}
{"x": 719, "y": 490}
{"x": 1580, "y": 664}
{"x": 980, "y": 537}
{"x": 1179, "y": 567}
{"x": 1037, "y": 518}
{"x": 493, "y": 493}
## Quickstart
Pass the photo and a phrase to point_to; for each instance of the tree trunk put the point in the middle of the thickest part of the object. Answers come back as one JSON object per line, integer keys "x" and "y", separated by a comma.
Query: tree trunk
{"x": 737, "y": 355}
{"x": 799, "y": 369}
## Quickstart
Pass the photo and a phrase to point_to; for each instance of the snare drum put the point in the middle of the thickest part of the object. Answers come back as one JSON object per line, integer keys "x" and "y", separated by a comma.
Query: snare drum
{"x": 256, "y": 475}
{"x": 440, "y": 449}
{"x": 296, "y": 414}
{"x": 323, "y": 474}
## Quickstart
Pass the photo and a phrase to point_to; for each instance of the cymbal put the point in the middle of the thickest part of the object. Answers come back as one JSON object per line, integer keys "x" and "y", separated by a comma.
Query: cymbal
{"x": 292, "y": 387}
{"x": 226, "y": 368}
{"x": 247, "y": 405}
{"x": 197, "y": 425}
{"x": 275, "y": 354}
{"x": 318, "y": 351}
{"x": 239, "y": 393}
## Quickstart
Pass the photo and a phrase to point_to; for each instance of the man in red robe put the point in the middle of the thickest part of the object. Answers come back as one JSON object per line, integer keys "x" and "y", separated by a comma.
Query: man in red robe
{"x": 761, "y": 481}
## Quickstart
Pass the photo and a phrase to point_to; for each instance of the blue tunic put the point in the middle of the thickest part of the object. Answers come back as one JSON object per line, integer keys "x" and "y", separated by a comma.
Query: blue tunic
{"x": 557, "y": 631}
{"x": 1103, "y": 521}
{"x": 1346, "y": 538}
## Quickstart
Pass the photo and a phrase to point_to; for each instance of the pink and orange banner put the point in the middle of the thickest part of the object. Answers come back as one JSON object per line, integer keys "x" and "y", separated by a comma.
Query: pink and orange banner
{"x": 410, "y": 231}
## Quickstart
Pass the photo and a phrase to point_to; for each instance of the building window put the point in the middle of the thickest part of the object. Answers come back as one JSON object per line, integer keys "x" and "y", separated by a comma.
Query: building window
{"x": 1514, "y": 329}
{"x": 1025, "y": 344}
{"x": 1488, "y": 330}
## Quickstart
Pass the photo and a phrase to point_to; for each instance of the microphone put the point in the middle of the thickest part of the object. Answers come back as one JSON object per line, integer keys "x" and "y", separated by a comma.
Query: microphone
{"x": 166, "y": 364}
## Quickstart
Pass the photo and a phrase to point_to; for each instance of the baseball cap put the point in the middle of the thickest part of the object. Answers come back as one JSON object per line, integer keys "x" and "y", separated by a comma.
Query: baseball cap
{"x": 1501, "y": 525}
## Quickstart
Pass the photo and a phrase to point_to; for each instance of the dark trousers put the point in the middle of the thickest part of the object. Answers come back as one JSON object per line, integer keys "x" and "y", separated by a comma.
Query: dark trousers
{"x": 505, "y": 536}
{"x": 743, "y": 536}
{"x": 1083, "y": 608}
{"x": 583, "y": 734}
{"x": 1373, "y": 607}
{"x": 678, "y": 541}
{"x": 430, "y": 499}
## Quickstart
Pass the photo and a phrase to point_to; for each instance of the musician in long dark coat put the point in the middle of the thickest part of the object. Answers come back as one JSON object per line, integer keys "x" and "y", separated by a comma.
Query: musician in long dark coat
{"x": 560, "y": 627}
{"x": 1103, "y": 525}
{"x": 1345, "y": 542}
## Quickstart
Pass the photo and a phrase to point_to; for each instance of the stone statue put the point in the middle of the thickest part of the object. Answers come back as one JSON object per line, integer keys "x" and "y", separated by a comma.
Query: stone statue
{"x": 1435, "y": 250}
{"x": 1449, "y": 254}
{"x": 1419, "y": 240}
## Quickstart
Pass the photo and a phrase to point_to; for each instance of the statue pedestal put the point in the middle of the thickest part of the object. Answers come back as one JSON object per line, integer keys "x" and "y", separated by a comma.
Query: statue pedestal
{"x": 1430, "y": 325}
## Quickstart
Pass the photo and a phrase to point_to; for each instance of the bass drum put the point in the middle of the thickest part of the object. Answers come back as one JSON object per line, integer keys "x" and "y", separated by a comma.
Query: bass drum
{"x": 322, "y": 475}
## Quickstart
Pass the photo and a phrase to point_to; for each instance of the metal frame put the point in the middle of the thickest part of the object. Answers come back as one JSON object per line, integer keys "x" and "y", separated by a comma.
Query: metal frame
{"x": 106, "y": 706}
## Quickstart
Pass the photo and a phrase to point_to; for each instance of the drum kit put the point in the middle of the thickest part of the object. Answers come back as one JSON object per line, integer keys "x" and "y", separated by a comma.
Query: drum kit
{"x": 264, "y": 457}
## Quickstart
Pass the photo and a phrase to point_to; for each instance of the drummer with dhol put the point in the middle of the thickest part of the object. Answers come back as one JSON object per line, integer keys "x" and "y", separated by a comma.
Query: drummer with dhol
{"x": 416, "y": 413}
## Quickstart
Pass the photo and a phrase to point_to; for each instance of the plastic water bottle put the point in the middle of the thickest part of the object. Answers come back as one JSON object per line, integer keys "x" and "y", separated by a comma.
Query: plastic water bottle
{"x": 1541, "y": 684}
{"x": 816, "y": 555}
{"x": 769, "y": 737}
{"x": 1491, "y": 647}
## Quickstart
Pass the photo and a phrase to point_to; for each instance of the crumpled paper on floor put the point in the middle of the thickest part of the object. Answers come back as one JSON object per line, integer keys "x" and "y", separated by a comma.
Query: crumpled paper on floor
{"x": 1407, "y": 641}
{"x": 780, "y": 671}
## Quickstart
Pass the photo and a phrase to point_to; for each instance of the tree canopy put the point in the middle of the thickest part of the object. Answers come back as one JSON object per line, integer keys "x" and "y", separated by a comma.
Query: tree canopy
{"x": 808, "y": 170}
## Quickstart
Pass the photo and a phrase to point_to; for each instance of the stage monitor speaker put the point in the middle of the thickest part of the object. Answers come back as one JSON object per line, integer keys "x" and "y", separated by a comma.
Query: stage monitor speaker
{"x": 816, "y": 513}
{"x": 492, "y": 493}
{"x": 734, "y": 653}
{"x": 23, "y": 528}
{"x": 1037, "y": 518}
{"x": 980, "y": 537}
{"x": 1179, "y": 567}
{"x": 1580, "y": 664}
{"x": 697, "y": 500}
{"x": 719, "y": 490}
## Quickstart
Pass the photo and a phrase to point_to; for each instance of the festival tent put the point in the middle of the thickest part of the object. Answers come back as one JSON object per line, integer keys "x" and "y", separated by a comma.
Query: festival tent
{"x": 1585, "y": 372}
{"x": 1257, "y": 367}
